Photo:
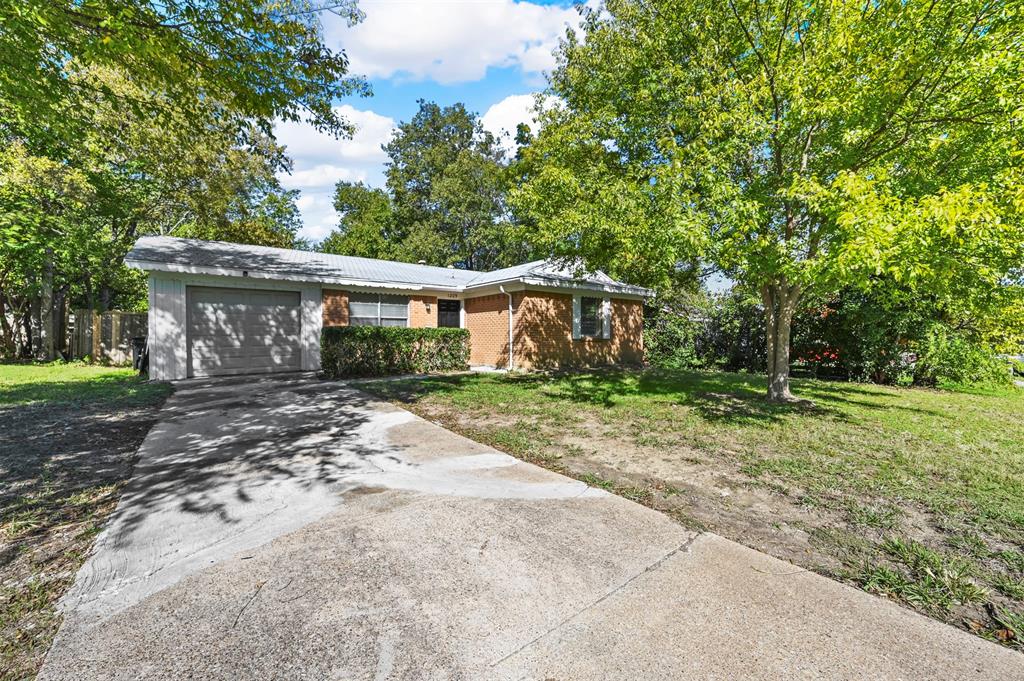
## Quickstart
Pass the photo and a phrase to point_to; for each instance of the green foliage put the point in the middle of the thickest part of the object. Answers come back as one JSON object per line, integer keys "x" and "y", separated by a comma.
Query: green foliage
{"x": 696, "y": 329}
{"x": 366, "y": 224}
{"x": 120, "y": 118}
{"x": 951, "y": 359}
{"x": 445, "y": 199}
{"x": 67, "y": 223}
{"x": 256, "y": 60}
{"x": 802, "y": 148}
{"x": 862, "y": 336}
{"x": 924, "y": 577}
{"x": 351, "y": 351}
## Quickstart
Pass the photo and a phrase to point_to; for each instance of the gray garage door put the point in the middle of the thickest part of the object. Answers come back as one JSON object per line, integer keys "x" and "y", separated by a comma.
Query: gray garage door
{"x": 239, "y": 331}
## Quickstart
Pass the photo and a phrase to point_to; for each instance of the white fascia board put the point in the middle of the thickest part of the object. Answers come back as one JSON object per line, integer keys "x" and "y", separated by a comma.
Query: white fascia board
{"x": 256, "y": 274}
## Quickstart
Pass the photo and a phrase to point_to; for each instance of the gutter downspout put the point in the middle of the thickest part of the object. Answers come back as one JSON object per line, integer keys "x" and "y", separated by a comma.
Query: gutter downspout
{"x": 511, "y": 352}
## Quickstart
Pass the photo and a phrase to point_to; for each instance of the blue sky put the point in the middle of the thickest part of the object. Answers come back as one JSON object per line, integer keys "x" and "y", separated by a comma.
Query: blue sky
{"x": 489, "y": 54}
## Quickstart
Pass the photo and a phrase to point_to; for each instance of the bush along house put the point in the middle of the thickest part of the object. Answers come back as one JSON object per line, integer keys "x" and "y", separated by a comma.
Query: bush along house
{"x": 219, "y": 308}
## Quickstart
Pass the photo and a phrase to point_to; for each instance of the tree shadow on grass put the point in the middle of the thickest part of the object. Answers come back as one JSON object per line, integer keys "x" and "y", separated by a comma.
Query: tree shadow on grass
{"x": 83, "y": 392}
{"x": 715, "y": 396}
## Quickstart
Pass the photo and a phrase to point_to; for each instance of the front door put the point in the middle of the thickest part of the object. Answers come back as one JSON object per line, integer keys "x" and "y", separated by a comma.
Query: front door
{"x": 448, "y": 313}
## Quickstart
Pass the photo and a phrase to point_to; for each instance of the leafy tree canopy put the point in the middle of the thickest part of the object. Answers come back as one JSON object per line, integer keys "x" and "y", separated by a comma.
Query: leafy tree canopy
{"x": 445, "y": 199}
{"x": 366, "y": 222}
{"x": 66, "y": 225}
{"x": 257, "y": 60}
{"x": 800, "y": 147}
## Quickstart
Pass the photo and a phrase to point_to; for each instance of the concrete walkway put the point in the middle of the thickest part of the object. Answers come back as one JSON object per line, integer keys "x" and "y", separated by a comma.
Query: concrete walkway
{"x": 291, "y": 528}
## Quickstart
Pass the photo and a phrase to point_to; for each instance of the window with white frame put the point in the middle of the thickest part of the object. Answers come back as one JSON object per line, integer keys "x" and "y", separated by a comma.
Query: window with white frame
{"x": 590, "y": 316}
{"x": 378, "y": 309}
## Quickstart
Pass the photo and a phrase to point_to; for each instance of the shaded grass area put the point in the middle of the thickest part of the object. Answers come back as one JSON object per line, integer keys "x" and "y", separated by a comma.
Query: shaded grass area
{"x": 68, "y": 437}
{"x": 914, "y": 494}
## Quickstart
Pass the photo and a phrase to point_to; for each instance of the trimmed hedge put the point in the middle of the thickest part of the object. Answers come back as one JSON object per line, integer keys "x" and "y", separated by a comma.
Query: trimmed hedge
{"x": 351, "y": 351}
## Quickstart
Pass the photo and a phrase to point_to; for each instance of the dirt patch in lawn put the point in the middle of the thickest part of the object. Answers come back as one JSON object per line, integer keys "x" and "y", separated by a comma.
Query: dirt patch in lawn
{"x": 701, "y": 492}
{"x": 64, "y": 462}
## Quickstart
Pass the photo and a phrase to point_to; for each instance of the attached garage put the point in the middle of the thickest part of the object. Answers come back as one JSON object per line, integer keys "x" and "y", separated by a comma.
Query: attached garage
{"x": 239, "y": 331}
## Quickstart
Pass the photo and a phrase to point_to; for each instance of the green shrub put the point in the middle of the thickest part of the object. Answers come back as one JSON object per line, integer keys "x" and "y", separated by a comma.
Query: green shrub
{"x": 686, "y": 329}
{"x": 352, "y": 351}
{"x": 950, "y": 359}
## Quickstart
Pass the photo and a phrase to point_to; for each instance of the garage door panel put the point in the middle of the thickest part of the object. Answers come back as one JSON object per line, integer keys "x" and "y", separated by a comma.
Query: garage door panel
{"x": 280, "y": 324}
{"x": 271, "y": 351}
{"x": 268, "y": 336}
{"x": 235, "y": 331}
{"x": 215, "y": 367}
{"x": 218, "y": 354}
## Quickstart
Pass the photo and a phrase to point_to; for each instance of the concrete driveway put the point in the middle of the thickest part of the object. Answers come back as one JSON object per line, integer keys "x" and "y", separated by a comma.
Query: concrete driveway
{"x": 292, "y": 528}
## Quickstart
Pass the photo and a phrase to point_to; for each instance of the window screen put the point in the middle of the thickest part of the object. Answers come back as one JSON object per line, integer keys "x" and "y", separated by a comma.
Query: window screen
{"x": 590, "y": 316}
{"x": 373, "y": 309}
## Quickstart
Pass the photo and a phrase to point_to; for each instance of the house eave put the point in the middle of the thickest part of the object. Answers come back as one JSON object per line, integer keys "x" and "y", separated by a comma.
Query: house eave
{"x": 149, "y": 266}
{"x": 519, "y": 283}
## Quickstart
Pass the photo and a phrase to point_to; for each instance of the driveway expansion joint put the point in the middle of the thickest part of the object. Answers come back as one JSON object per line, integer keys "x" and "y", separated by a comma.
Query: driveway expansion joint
{"x": 682, "y": 548}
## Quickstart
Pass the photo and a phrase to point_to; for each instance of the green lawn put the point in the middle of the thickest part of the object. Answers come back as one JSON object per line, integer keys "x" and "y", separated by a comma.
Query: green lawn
{"x": 914, "y": 494}
{"x": 68, "y": 437}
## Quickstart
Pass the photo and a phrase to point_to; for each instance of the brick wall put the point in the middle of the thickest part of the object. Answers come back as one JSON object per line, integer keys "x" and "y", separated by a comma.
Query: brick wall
{"x": 487, "y": 321}
{"x": 418, "y": 316}
{"x": 543, "y": 334}
{"x": 335, "y": 309}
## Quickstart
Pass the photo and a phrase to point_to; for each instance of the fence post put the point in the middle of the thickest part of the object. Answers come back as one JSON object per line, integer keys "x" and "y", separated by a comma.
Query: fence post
{"x": 97, "y": 336}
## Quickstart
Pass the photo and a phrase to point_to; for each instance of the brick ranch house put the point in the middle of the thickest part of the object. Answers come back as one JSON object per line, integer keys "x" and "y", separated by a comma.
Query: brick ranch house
{"x": 219, "y": 308}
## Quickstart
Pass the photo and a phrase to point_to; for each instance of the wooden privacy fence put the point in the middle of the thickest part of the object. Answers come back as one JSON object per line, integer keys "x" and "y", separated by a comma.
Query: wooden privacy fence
{"x": 106, "y": 337}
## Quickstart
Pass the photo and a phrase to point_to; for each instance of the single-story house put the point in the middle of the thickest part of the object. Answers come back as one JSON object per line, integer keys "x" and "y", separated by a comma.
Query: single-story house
{"x": 220, "y": 308}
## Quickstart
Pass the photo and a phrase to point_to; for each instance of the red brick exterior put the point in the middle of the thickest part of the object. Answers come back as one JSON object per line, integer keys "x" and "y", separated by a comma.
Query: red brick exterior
{"x": 418, "y": 316}
{"x": 542, "y": 332}
{"x": 335, "y": 307}
{"x": 487, "y": 321}
{"x": 542, "y": 329}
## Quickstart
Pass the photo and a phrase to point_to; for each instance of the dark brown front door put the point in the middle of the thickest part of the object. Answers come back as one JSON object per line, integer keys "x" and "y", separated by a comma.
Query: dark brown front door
{"x": 448, "y": 313}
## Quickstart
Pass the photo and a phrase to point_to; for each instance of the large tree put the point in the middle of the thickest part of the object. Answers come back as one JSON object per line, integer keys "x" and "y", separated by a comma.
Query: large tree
{"x": 799, "y": 146}
{"x": 126, "y": 117}
{"x": 446, "y": 175}
{"x": 445, "y": 201}
{"x": 66, "y": 225}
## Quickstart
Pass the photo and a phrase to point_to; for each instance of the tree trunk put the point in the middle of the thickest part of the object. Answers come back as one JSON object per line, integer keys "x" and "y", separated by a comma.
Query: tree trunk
{"x": 780, "y": 300}
{"x": 7, "y": 342}
{"x": 27, "y": 350}
{"x": 46, "y": 349}
{"x": 59, "y": 322}
{"x": 106, "y": 298}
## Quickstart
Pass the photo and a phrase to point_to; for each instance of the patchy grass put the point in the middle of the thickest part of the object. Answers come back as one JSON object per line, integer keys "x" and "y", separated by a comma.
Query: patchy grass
{"x": 914, "y": 494}
{"x": 68, "y": 436}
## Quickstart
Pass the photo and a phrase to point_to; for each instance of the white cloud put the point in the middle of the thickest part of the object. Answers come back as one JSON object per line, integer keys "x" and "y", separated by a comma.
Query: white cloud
{"x": 320, "y": 161}
{"x": 502, "y": 118}
{"x": 449, "y": 41}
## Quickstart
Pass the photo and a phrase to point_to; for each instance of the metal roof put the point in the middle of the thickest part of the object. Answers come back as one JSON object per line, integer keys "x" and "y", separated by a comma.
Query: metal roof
{"x": 219, "y": 257}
